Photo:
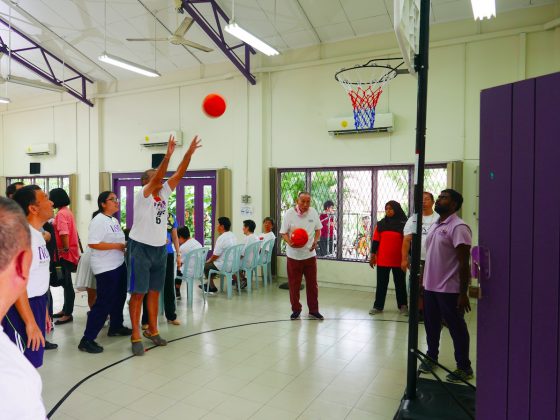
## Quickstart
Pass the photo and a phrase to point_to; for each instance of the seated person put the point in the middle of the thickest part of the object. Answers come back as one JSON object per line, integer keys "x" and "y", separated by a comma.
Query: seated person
{"x": 250, "y": 237}
{"x": 267, "y": 230}
{"x": 216, "y": 261}
{"x": 187, "y": 244}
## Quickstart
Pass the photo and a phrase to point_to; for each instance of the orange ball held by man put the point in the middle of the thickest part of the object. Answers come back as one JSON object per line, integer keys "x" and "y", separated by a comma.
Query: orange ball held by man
{"x": 299, "y": 237}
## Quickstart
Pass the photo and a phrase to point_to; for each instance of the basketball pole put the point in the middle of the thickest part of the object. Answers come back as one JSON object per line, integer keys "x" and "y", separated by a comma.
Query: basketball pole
{"x": 421, "y": 65}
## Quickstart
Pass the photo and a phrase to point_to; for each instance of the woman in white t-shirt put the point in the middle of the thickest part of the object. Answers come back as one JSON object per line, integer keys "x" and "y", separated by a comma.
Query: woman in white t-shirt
{"x": 107, "y": 243}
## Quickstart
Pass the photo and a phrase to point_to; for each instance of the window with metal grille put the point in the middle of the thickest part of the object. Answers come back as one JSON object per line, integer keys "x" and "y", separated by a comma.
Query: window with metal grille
{"x": 46, "y": 183}
{"x": 358, "y": 197}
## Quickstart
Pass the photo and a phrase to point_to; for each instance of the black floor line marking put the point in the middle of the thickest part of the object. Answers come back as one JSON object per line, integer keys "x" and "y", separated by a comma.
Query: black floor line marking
{"x": 71, "y": 390}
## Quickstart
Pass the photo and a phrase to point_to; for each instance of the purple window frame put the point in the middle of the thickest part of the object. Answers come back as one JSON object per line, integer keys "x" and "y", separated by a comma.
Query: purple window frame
{"x": 198, "y": 179}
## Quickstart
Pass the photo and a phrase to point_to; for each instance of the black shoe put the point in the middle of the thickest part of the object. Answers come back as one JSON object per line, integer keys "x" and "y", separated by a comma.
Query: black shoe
{"x": 316, "y": 315}
{"x": 50, "y": 346}
{"x": 206, "y": 289}
{"x": 89, "y": 346}
{"x": 66, "y": 321}
{"x": 121, "y": 331}
{"x": 295, "y": 315}
{"x": 58, "y": 315}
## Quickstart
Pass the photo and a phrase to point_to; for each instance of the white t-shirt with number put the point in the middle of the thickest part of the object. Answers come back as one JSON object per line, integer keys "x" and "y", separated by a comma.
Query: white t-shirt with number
{"x": 225, "y": 240}
{"x": 150, "y": 217}
{"x": 310, "y": 222}
{"x": 20, "y": 387}
{"x": 106, "y": 229}
{"x": 427, "y": 222}
{"x": 184, "y": 249}
{"x": 39, "y": 273}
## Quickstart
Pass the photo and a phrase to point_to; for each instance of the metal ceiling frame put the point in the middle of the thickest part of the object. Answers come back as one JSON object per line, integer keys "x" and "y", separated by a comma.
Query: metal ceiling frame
{"x": 48, "y": 58}
{"x": 215, "y": 32}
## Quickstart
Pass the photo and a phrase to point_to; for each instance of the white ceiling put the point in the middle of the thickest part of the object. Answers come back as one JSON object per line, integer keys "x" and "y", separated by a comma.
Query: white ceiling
{"x": 74, "y": 29}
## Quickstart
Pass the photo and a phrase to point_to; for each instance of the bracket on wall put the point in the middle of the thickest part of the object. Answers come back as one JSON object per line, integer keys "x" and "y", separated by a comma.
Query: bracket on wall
{"x": 215, "y": 32}
{"x": 48, "y": 59}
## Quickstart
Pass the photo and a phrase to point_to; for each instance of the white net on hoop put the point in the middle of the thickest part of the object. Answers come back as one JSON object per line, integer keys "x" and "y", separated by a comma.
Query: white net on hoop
{"x": 364, "y": 85}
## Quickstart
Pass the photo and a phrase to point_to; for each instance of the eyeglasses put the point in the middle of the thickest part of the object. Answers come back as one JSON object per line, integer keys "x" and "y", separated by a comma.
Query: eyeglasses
{"x": 114, "y": 199}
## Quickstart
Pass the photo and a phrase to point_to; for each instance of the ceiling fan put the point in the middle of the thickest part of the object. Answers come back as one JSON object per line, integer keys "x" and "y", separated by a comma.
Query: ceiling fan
{"x": 178, "y": 36}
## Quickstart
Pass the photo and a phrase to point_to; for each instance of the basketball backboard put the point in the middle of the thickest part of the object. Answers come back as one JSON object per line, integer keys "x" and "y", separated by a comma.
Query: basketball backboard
{"x": 407, "y": 30}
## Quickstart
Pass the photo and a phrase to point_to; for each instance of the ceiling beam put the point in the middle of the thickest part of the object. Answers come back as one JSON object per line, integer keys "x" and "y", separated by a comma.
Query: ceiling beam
{"x": 213, "y": 29}
{"x": 48, "y": 59}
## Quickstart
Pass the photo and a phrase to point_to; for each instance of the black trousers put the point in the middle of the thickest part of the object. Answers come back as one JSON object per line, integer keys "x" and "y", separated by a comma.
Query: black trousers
{"x": 169, "y": 305}
{"x": 69, "y": 294}
{"x": 399, "y": 278}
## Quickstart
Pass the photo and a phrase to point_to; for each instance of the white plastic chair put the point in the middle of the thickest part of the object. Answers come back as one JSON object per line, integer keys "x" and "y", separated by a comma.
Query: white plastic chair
{"x": 265, "y": 260}
{"x": 197, "y": 257}
{"x": 229, "y": 268}
{"x": 250, "y": 262}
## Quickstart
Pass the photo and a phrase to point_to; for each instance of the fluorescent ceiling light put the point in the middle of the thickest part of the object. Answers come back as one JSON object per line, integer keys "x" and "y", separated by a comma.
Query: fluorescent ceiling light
{"x": 4, "y": 100}
{"x": 34, "y": 83}
{"x": 483, "y": 9}
{"x": 128, "y": 65}
{"x": 240, "y": 33}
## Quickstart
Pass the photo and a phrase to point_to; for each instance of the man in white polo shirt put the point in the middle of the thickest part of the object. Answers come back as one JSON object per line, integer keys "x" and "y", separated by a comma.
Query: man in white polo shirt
{"x": 216, "y": 261}
{"x": 146, "y": 248}
{"x": 20, "y": 387}
{"x": 302, "y": 261}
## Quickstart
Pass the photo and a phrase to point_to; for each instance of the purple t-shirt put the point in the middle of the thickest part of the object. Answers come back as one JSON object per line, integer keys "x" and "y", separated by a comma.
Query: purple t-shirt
{"x": 441, "y": 272}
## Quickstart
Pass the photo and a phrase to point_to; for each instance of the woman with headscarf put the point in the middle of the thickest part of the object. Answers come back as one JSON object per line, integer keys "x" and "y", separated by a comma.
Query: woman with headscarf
{"x": 386, "y": 254}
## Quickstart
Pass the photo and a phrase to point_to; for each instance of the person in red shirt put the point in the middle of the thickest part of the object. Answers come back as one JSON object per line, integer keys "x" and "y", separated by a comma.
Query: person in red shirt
{"x": 386, "y": 254}
{"x": 68, "y": 251}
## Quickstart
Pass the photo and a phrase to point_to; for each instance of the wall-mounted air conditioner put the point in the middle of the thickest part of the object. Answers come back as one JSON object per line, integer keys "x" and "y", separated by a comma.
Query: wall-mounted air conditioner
{"x": 41, "y": 149}
{"x": 160, "y": 139}
{"x": 345, "y": 125}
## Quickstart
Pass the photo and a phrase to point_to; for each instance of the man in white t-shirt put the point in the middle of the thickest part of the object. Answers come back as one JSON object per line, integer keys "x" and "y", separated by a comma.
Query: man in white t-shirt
{"x": 249, "y": 227}
{"x": 187, "y": 244}
{"x": 20, "y": 387}
{"x": 146, "y": 248}
{"x": 216, "y": 261}
{"x": 267, "y": 230}
{"x": 302, "y": 261}
{"x": 429, "y": 217}
{"x": 26, "y": 321}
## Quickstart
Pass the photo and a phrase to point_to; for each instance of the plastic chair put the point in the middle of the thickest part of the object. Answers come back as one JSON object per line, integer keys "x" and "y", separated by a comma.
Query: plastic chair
{"x": 250, "y": 262}
{"x": 229, "y": 268}
{"x": 197, "y": 257}
{"x": 265, "y": 260}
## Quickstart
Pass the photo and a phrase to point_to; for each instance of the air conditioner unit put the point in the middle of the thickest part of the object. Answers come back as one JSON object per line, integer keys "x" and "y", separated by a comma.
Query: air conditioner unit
{"x": 41, "y": 149}
{"x": 160, "y": 139}
{"x": 345, "y": 125}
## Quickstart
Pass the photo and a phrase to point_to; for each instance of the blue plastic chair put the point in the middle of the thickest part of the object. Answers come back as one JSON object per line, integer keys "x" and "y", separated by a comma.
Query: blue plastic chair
{"x": 250, "y": 262}
{"x": 197, "y": 257}
{"x": 265, "y": 260}
{"x": 229, "y": 268}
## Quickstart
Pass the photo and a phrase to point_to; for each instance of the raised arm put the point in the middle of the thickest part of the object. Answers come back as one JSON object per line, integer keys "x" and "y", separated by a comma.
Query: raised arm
{"x": 183, "y": 166}
{"x": 161, "y": 170}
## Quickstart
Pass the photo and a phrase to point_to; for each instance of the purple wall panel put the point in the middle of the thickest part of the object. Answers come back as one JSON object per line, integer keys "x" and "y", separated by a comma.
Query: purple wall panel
{"x": 523, "y": 155}
{"x": 494, "y": 233}
{"x": 545, "y": 335}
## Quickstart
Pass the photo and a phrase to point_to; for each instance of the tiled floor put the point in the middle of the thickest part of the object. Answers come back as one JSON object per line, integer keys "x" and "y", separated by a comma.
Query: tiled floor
{"x": 242, "y": 358}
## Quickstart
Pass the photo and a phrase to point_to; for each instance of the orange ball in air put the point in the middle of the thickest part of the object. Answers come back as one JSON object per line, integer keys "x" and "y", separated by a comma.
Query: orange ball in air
{"x": 214, "y": 105}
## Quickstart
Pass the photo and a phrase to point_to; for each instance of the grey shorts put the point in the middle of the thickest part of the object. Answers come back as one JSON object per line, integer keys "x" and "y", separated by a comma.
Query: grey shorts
{"x": 146, "y": 267}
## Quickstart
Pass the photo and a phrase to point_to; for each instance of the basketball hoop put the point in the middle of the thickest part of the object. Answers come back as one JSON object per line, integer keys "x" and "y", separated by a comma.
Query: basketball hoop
{"x": 364, "y": 84}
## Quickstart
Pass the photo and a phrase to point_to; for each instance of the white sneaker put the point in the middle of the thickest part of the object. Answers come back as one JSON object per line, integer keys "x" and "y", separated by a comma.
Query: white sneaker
{"x": 374, "y": 311}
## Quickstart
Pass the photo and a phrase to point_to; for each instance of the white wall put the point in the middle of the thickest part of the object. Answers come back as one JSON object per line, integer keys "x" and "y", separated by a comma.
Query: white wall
{"x": 281, "y": 122}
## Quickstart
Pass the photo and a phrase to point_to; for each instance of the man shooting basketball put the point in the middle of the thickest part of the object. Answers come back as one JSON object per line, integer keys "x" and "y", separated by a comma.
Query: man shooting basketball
{"x": 147, "y": 252}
